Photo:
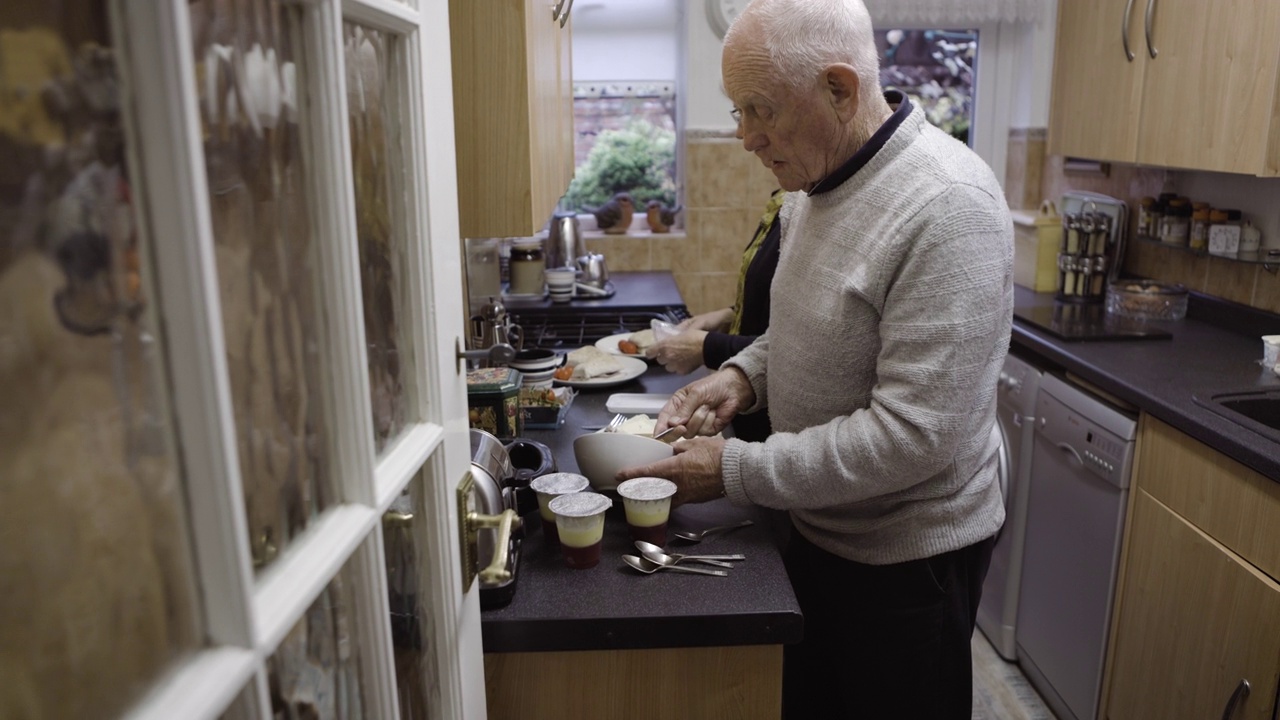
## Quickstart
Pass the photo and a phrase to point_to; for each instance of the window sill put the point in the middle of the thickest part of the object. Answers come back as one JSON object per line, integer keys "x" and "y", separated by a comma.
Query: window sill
{"x": 634, "y": 233}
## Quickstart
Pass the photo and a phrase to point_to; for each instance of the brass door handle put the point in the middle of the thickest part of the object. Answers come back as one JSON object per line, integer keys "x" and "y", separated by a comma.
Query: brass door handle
{"x": 505, "y": 521}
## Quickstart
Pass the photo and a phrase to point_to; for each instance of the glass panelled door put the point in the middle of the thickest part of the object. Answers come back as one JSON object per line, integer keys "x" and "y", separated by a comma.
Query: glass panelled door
{"x": 233, "y": 419}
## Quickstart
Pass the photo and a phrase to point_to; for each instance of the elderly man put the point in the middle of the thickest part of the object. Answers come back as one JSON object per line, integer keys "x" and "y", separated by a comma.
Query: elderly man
{"x": 891, "y": 312}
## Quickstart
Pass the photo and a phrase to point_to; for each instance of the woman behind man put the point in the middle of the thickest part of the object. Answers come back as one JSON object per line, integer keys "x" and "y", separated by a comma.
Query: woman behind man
{"x": 713, "y": 337}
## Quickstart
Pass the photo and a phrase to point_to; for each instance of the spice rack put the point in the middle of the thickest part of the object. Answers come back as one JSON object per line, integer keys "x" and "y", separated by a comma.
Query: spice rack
{"x": 1269, "y": 259}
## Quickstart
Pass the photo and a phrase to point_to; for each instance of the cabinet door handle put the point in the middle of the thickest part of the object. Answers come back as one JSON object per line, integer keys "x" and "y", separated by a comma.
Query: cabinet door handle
{"x": 1151, "y": 7}
{"x": 568, "y": 7}
{"x": 1124, "y": 30}
{"x": 1242, "y": 692}
{"x": 555, "y": 11}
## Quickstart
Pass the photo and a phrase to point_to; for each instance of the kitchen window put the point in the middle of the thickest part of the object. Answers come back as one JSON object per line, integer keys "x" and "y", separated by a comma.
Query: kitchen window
{"x": 625, "y": 96}
{"x": 624, "y": 141}
{"x": 937, "y": 70}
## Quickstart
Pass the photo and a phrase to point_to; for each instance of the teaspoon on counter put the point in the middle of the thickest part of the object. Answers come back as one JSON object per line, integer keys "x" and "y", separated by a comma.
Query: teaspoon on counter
{"x": 649, "y": 567}
{"x": 658, "y": 555}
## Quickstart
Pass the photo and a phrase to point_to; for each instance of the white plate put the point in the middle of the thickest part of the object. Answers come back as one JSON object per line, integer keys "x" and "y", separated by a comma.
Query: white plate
{"x": 610, "y": 345}
{"x": 631, "y": 369}
{"x": 636, "y": 403}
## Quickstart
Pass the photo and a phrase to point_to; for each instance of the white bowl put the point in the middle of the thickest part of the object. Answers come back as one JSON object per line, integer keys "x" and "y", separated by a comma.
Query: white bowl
{"x": 601, "y": 455}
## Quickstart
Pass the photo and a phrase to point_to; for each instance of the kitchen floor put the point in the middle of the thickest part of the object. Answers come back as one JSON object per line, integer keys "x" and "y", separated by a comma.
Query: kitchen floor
{"x": 1000, "y": 690}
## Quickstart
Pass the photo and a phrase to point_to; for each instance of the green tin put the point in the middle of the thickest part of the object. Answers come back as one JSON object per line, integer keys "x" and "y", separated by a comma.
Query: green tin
{"x": 493, "y": 399}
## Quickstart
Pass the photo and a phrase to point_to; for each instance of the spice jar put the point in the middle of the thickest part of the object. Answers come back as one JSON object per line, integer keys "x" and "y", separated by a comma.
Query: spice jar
{"x": 526, "y": 266}
{"x": 1224, "y": 232}
{"x": 1176, "y": 227}
{"x": 1146, "y": 217}
{"x": 1199, "y": 238}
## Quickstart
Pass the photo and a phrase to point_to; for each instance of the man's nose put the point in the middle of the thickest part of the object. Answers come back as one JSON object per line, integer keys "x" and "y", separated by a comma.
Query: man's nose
{"x": 751, "y": 140}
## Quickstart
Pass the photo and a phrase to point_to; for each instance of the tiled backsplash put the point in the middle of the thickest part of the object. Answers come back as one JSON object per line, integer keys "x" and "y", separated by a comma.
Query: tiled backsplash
{"x": 726, "y": 189}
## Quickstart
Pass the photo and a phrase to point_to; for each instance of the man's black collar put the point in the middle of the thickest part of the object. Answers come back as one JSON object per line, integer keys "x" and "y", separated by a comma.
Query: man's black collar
{"x": 869, "y": 150}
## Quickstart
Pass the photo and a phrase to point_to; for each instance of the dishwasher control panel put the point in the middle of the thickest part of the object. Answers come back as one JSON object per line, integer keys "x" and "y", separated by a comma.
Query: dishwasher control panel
{"x": 1083, "y": 432}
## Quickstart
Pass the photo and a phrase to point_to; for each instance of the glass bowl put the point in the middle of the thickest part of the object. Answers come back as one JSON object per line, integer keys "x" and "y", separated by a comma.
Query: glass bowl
{"x": 1147, "y": 300}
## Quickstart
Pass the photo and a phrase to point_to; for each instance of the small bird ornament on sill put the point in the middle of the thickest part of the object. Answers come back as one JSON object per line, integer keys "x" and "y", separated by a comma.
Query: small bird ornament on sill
{"x": 614, "y": 217}
{"x": 661, "y": 218}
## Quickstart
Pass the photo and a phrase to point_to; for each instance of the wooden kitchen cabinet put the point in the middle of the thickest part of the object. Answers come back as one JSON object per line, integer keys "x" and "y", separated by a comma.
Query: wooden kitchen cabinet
{"x": 1207, "y": 101}
{"x": 1096, "y": 91}
{"x": 513, "y": 113}
{"x": 1193, "y": 617}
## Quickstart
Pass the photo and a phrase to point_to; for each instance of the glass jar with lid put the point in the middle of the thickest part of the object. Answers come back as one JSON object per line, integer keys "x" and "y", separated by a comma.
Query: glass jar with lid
{"x": 526, "y": 266}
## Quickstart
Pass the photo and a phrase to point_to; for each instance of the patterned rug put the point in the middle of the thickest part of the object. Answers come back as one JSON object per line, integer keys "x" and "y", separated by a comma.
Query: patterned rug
{"x": 1000, "y": 690}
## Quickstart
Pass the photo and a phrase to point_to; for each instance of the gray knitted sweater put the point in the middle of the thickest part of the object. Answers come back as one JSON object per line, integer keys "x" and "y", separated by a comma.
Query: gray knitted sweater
{"x": 891, "y": 312}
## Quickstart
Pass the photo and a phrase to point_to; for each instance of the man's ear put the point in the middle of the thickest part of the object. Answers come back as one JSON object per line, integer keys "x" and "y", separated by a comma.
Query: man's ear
{"x": 841, "y": 83}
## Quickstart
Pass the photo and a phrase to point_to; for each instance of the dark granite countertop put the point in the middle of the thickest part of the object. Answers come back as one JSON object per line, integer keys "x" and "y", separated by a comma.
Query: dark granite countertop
{"x": 1215, "y": 349}
{"x": 612, "y": 606}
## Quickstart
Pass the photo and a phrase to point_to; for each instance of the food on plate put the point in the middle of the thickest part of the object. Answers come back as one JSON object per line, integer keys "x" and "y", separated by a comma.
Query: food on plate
{"x": 628, "y": 347}
{"x": 641, "y": 339}
{"x": 587, "y": 363}
{"x": 597, "y": 367}
{"x": 583, "y": 354}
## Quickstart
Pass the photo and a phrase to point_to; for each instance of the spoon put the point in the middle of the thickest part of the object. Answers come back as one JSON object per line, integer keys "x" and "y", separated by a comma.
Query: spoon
{"x": 656, "y": 554}
{"x": 648, "y": 567}
{"x": 696, "y": 536}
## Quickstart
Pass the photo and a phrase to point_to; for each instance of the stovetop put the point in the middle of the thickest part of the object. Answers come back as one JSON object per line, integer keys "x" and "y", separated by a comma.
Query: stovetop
{"x": 1088, "y": 321}
{"x": 557, "y": 331}
{"x": 639, "y": 299}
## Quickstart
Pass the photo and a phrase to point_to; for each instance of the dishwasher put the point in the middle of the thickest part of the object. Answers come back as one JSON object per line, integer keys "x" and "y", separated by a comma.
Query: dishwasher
{"x": 1080, "y": 464}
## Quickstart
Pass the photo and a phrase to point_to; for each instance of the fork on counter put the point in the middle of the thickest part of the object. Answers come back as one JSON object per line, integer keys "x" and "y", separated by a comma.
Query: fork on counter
{"x": 615, "y": 423}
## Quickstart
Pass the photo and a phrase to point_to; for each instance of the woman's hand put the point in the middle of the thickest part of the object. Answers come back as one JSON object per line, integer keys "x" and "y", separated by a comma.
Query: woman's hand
{"x": 681, "y": 354}
{"x": 714, "y": 321}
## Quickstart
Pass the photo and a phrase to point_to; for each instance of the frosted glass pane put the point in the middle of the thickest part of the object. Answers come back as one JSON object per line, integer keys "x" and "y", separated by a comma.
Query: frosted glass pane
{"x": 315, "y": 673}
{"x": 252, "y": 89}
{"x": 97, "y": 589}
{"x": 413, "y": 635}
{"x": 377, "y": 154}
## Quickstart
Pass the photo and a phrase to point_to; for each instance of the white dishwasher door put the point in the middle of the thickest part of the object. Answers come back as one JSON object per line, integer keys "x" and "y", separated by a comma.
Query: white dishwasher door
{"x": 1080, "y": 465}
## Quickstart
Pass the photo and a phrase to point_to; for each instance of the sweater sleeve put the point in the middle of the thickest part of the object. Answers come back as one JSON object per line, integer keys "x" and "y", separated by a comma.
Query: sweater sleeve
{"x": 753, "y": 362}
{"x": 717, "y": 347}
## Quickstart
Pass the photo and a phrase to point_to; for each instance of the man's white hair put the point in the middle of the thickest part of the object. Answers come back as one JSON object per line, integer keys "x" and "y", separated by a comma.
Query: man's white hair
{"x": 804, "y": 36}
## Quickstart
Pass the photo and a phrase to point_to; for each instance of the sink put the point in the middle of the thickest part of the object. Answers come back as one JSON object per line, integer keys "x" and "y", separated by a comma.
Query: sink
{"x": 1256, "y": 409}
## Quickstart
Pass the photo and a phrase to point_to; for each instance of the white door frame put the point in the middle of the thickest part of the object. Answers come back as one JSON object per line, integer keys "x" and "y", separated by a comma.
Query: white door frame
{"x": 246, "y": 615}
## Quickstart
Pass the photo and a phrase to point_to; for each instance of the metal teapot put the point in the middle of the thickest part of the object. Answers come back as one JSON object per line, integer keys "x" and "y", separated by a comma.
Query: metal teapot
{"x": 492, "y": 326}
{"x": 594, "y": 272}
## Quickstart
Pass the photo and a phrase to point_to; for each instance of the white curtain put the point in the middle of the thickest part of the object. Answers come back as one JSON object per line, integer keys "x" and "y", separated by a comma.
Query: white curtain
{"x": 953, "y": 14}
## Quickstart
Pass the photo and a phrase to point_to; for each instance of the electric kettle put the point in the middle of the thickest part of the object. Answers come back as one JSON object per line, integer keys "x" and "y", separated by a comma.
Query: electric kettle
{"x": 564, "y": 241}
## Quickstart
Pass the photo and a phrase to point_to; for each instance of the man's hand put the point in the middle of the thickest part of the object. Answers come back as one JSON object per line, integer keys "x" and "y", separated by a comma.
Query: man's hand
{"x": 681, "y": 354}
{"x": 695, "y": 469}
{"x": 706, "y": 406}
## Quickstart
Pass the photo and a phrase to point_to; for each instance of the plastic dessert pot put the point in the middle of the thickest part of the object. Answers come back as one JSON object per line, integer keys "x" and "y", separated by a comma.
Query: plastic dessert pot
{"x": 580, "y": 524}
{"x": 549, "y": 487}
{"x": 647, "y": 502}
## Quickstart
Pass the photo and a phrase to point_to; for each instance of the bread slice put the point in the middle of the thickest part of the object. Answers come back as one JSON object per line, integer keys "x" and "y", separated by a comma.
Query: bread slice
{"x": 583, "y": 354}
{"x": 596, "y": 367}
{"x": 643, "y": 339}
